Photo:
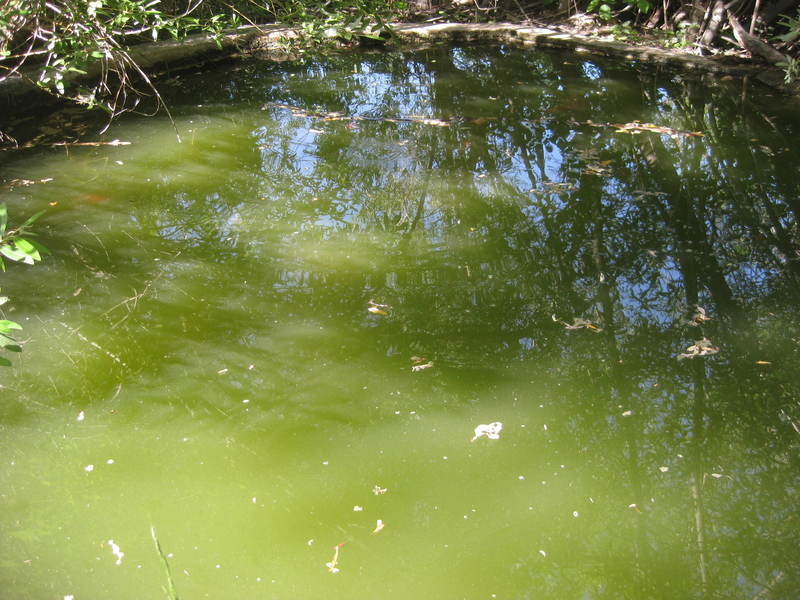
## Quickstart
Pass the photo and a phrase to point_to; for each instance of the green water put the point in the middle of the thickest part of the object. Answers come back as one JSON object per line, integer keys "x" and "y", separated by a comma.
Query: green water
{"x": 200, "y": 357}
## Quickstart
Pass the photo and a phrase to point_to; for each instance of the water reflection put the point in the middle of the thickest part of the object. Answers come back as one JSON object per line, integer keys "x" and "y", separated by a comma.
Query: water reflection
{"x": 212, "y": 317}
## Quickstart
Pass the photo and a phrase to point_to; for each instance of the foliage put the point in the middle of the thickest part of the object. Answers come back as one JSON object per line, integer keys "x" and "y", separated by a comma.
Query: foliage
{"x": 16, "y": 244}
{"x": 64, "y": 40}
{"x": 791, "y": 38}
{"x": 61, "y": 38}
{"x": 604, "y": 8}
{"x": 321, "y": 22}
{"x": 625, "y": 32}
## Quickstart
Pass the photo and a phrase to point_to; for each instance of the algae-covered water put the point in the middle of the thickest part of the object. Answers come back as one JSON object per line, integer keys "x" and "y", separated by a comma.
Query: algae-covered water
{"x": 271, "y": 343}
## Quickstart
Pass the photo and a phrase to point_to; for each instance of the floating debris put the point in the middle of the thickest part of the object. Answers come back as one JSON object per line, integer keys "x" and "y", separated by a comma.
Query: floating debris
{"x": 115, "y": 550}
{"x": 422, "y": 367}
{"x": 702, "y": 347}
{"x": 378, "y": 309}
{"x": 352, "y": 119}
{"x": 578, "y": 323}
{"x": 698, "y": 316}
{"x": 635, "y": 127}
{"x": 334, "y": 562}
{"x": 491, "y": 431}
{"x": 378, "y": 490}
{"x": 379, "y": 525}
{"x": 358, "y": 508}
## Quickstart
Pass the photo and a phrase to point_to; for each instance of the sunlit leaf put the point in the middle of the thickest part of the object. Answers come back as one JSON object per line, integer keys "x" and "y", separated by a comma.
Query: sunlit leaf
{"x": 6, "y": 325}
{"x": 15, "y": 254}
{"x": 27, "y": 248}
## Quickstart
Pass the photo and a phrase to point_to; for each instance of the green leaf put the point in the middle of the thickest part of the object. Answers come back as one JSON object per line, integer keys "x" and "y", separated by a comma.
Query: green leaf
{"x": 14, "y": 254}
{"x": 38, "y": 245}
{"x": 3, "y": 218}
{"x": 31, "y": 219}
{"x": 27, "y": 248}
{"x": 12, "y": 347}
{"x": 4, "y": 362}
{"x": 6, "y": 325}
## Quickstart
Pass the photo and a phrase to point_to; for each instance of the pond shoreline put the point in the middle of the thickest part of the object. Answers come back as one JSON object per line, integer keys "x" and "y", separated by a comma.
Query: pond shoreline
{"x": 169, "y": 56}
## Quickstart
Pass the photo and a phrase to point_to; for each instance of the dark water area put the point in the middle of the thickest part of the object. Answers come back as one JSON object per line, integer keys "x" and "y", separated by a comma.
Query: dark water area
{"x": 279, "y": 335}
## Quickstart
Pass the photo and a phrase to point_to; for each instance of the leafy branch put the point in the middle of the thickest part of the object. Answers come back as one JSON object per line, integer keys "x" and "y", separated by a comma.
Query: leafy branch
{"x": 16, "y": 244}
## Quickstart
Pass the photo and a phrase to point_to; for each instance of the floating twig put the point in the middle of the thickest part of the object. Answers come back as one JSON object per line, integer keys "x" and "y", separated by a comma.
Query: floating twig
{"x": 171, "y": 592}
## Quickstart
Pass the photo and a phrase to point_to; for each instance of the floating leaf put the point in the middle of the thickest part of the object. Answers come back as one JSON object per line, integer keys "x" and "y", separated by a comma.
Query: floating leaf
{"x": 635, "y": 127}
{"x": 491, "y": 431}
{"x": 702, "y": 347}
{"x": 763, "y": 362}
{"x": 377, "y": 309}
{"x": 422, "y": 367}
{"x": 698, "y": 316}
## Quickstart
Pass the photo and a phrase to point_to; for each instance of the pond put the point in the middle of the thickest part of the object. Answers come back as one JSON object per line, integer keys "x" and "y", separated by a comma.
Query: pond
{"x": 268, "y": 347}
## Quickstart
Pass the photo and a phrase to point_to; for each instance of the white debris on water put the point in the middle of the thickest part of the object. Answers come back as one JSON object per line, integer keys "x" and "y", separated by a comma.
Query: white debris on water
{"x": 115, "y": 550}
{"x": 491, "y": 431}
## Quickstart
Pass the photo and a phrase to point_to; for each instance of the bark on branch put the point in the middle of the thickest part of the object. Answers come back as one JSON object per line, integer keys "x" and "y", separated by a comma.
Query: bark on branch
{"x": 753, "y": 44}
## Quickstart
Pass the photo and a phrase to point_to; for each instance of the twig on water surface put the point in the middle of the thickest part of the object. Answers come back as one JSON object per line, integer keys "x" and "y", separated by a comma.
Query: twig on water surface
{"x": 111, "y": 143}
{"x": 171, "y": 592}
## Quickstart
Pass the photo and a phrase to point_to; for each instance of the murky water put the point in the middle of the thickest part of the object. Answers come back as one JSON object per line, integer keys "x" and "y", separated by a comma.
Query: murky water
{"x": 200, "y": 356}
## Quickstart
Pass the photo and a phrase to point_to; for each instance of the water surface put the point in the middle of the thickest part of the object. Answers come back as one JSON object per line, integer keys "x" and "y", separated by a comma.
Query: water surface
{"x": 200, "y": 357}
